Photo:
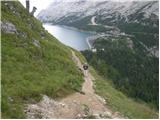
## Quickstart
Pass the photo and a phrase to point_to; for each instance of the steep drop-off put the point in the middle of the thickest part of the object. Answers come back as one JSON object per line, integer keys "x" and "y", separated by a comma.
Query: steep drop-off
{"x": 36, "y": 65}
{"x": 33, "y": 62}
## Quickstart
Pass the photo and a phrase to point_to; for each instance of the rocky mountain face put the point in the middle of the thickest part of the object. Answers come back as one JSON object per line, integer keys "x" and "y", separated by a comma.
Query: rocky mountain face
{"x": 106, "y": 12}
{"x": 109, "y": 18}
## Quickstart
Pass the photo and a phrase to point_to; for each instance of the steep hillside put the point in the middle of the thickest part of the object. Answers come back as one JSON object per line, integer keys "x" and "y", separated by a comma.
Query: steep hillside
{"x": 131, "y": 70}
{"x": 34, "y": 63}
{"x": 39, "y": 74}
{"x": 126, "y": 44}
{"x": 118, "y": 101}
{"x": 104, "y": 10}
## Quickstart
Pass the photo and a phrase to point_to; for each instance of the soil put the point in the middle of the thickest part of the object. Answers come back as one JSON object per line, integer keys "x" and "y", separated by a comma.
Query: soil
{"x": 75, "y": 106}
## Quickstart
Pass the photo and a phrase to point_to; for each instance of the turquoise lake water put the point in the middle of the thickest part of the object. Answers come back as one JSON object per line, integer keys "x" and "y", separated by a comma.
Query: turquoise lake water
{"x": 69, "y": 36}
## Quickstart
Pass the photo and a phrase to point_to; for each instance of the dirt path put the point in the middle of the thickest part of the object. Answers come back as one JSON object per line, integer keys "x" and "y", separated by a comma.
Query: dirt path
{"x": 78, "y": 105}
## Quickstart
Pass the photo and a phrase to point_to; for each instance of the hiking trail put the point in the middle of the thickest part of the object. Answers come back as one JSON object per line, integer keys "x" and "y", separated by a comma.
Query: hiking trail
{"x": 77, "y": 105}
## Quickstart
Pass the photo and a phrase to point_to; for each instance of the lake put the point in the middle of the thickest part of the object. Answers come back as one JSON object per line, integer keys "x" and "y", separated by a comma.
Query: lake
{"x": 72, "y": 37}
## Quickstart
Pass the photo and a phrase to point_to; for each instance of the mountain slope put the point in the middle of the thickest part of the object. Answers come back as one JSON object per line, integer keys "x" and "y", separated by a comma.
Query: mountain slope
{"x": 126, "y": 47}
{"x": 118, "y": 101}
{"x": 138, "y": 19}
{"x": 34, "y": 63}
{"x": 60, "y": 11}
{"x": 84, "y": 104}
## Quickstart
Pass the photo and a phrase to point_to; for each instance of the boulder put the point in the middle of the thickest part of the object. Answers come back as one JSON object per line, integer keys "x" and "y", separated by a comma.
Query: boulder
{"x": 36, "y": 43}
{"x": 8, "y": 27}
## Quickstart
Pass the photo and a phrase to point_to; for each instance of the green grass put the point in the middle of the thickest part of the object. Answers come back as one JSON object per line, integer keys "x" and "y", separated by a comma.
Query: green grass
{"x": 29, "y": 72}
{"x": 80, "y": 56}
{"x": 117, "y": 101}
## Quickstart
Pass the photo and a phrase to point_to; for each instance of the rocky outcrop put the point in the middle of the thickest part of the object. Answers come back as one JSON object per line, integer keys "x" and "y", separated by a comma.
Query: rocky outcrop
{"x": 8, "y": 27}
{"x": 36, "y": 43}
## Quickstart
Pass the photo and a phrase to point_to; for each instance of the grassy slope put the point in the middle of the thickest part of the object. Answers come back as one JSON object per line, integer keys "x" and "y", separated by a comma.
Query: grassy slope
{"x": 80, "y": 56}
{"x": 28, "y": 71}
{"x": 117, "y": 101}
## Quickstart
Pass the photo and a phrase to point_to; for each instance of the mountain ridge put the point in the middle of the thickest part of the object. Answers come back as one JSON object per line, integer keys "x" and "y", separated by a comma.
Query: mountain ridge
{"x": 104, "y": 8}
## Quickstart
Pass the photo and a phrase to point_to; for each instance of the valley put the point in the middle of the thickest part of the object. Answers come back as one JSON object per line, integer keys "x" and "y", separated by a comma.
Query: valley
{"x": 125, "y": 46}
{"x": 43, "y": 57}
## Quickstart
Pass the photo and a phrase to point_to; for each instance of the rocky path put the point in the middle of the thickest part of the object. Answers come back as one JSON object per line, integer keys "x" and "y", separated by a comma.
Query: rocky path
{"x": 78, "y": 105}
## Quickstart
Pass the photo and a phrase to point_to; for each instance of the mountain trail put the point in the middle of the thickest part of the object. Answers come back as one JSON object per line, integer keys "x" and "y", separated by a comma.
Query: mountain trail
{"x": 77, "y": 105}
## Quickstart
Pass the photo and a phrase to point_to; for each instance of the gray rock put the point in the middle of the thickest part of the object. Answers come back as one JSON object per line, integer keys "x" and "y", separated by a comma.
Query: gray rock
{"x": 11, "y": 7}
{"x": 5, "y": 4}
{"x": 22, "y": 34}
{"x": 107, "y": 113}
{"x": 8, "y": 27}
{"x": 10, "y": 99}
{"x": 16, "y": 13}
{"x": 36, "y": 43}
{"x": 42, "y": 34}
{"x": 97, "y": 116}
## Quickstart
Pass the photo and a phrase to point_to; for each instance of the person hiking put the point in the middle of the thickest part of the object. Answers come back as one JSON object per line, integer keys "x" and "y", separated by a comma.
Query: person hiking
{"x": 85, "y": 67}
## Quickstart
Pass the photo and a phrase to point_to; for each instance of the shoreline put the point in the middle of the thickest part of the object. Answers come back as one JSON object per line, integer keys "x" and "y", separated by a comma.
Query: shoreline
{"x": 71, "y": 28}
{"x": 89, "y": 39}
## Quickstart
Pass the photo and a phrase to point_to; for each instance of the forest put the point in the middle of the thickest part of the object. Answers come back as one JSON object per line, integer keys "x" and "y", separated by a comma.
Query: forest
{"x": 132, "y": 70}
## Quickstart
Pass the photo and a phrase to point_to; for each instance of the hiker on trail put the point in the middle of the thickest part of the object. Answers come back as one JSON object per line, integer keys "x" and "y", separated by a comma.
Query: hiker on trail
{"x": 85, "y": 67}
